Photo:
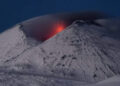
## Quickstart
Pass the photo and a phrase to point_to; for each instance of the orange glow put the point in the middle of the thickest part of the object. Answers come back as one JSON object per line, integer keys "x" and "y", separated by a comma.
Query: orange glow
{"x": 58, "y": 27}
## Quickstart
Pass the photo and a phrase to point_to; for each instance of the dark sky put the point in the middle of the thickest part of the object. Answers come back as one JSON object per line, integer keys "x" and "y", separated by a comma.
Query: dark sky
{"x": 15, "y": 11}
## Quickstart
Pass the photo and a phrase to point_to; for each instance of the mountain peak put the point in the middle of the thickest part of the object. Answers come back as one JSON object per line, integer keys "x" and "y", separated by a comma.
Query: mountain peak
{"x": 84, "y": 51}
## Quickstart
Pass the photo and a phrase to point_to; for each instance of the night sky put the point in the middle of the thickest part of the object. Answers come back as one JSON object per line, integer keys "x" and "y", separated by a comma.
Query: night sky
{"x": 15, "y": 11}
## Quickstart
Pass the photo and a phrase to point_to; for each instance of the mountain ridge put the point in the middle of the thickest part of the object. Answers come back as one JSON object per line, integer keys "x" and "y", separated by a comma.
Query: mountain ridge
{"x": 80, "y": 52}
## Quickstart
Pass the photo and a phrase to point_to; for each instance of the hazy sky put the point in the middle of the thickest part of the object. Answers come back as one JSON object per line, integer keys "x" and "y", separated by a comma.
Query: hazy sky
{"x": 15, "y": 11}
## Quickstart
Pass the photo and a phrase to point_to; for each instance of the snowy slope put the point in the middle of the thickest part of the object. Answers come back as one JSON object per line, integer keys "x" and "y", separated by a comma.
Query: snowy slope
{"x": 79, "y": 52}
{"x": 83, "y": 53}
{"x": 13, "y": 43}
{"x": 114, "y": 81}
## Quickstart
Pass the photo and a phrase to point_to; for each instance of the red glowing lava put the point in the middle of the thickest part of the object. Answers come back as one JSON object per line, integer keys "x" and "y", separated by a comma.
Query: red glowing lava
{"x": 58, "y": 27}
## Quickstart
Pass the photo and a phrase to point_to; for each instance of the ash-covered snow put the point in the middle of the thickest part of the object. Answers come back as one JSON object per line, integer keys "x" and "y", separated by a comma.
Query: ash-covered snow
{"x": 79, "y": 55}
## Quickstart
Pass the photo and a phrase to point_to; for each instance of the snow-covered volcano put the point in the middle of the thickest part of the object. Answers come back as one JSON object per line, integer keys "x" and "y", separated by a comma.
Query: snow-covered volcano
{"x": 85, "y": 52}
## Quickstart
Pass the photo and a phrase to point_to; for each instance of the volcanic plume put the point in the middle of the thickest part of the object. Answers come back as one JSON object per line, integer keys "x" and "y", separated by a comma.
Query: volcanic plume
{"x": 44, "y": 27}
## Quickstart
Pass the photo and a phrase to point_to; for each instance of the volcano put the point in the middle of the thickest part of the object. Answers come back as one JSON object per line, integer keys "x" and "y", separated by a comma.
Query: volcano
{"x": 82, "y": 54}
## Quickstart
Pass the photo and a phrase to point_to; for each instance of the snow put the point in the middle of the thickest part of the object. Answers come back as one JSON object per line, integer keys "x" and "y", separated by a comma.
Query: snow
{"x": 10, "y": 43}
{"x": 114, "y": 81}
{"x": 78, "y": 56}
